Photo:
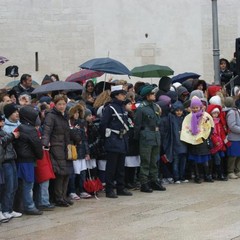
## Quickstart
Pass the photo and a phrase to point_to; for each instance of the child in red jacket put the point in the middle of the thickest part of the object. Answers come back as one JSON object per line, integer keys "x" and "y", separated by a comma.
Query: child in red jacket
{"x": 218, "y": 138}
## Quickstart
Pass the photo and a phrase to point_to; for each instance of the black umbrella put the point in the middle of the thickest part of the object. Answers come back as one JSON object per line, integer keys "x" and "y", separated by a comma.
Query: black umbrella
{"x": 184, "y": 76}
{"x": 106, "y": 65}
{"x": 58, "y": 86}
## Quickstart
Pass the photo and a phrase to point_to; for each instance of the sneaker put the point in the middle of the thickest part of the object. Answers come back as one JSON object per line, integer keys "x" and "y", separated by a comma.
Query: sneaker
{"x": 177, "y": 182}
{"x": 185, "y": 181}
{"x": 165, "y": 181}
{"x": 7, "y": 215}
{"x": 3, "y": 219}
{"x": 16, "y": 214}
{"x": 170, "y": 180}
{"x": 84, "y": 195}
{"x": 232, "y": 176}
{"x": 74, "y": 196}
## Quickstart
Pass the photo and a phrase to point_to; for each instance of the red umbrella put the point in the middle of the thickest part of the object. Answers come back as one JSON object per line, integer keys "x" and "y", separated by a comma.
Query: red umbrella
{"x": 92, "y": 185}
{"x": 83, "y": 75}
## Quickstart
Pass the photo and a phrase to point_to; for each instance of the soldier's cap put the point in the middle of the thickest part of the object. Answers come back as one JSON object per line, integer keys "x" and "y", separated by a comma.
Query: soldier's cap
{"x": 115, "y": 90}
{"x": 147, "y": 90}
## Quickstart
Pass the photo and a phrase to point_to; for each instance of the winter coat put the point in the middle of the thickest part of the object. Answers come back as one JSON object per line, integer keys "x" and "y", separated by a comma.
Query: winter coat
{"x": 218, "y": 137}
{"x": 7, "y": 152}
{"x": 178, "y": 146}
{"x": 94, "y": 142}
{"x": 56, "y": 134}
{"x": 147, "y": 120}
{"x": 28, "y": 146}
{"x": 115, "y": 142}
{"x": 19, "y": 90}
{"x": 233, "y": 122}
{"x": 78, "y": 137}
{"x": 133, "y": 145}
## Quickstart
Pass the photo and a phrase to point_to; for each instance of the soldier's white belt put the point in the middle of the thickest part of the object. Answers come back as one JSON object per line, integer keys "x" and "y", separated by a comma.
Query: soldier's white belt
{"x": 109, "y": 130}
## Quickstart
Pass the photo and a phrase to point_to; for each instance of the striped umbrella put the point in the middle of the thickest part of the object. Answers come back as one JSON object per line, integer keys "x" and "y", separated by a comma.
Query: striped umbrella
{"x": 3, "y": 60}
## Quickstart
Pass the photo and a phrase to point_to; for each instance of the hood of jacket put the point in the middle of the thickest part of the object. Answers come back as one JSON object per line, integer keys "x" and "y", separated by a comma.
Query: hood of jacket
{"x": 28, "y": 115}
{"x": 165, "y": 83}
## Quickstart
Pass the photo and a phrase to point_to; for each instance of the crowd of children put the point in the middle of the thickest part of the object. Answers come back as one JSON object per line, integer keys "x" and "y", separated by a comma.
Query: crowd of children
{"x": 199, "y": 128}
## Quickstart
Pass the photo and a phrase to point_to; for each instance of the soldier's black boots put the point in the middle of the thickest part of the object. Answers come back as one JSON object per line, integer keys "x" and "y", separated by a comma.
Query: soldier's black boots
{"x": 124, "y": 192}
{"x": 145, "y": 188}
{"x": 111, "y": 194}
{"x": 157, "y": 186}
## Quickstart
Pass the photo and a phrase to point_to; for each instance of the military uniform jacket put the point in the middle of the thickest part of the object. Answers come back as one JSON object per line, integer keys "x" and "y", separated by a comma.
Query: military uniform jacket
{"x": 114, "y": 143}
{"x": 146, "y": 124}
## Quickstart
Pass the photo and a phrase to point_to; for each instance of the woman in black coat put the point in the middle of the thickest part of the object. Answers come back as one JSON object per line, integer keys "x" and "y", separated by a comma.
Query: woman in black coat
{"x": 56, "y": 137}
{"x": 29, "y": 148}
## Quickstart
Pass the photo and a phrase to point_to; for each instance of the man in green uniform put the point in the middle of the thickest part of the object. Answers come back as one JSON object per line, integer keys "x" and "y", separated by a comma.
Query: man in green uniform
{"x": 146, "y": 130}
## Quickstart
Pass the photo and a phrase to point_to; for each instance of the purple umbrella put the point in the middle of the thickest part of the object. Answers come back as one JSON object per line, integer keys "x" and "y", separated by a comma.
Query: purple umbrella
{"x": 83, "y": 75}
{"x": 3, "y": 60}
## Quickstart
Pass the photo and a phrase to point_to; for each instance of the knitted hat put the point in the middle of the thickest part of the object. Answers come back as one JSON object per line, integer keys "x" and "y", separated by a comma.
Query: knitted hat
{"x": 195, "y": 102}
{"x": 165, "y": 98}
{"x": 229, "y": 102}
{"x": 9, "y": 109}
{"x": 87, "y": 113}
{"x": 215, "y": 100}
{"x": 177, "y": 106}
{"x": 212, "y": 90}
{"x": 197, "y": 93}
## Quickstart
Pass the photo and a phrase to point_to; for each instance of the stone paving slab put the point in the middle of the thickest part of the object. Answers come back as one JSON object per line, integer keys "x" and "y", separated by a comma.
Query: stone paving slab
{"x": 190, "y": 211}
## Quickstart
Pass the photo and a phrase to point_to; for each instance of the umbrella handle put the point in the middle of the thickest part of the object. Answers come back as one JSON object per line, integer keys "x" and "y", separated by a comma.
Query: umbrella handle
{"x": 89, "y": 174}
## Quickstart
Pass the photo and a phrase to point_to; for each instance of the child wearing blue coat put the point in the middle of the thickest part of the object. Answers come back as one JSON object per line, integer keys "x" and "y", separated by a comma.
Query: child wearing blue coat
{"x": 179, "y": 148}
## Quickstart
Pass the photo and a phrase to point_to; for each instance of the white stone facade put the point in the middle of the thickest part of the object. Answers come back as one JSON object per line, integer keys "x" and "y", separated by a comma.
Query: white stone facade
{"x": 67, "y": 33}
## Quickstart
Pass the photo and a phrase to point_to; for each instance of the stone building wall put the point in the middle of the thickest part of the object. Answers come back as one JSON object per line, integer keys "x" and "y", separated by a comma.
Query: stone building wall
{"x": 67, "y": 33}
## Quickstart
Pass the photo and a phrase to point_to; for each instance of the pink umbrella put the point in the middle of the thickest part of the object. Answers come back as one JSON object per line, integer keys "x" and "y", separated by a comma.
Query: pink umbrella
{"x": 83, "y": 75}
{"x": 3, "y": 60}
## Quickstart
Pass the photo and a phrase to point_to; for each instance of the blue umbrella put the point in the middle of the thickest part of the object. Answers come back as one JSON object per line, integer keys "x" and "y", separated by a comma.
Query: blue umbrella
{"x": 106, "y": 65}
{"x": 184, "y": 76}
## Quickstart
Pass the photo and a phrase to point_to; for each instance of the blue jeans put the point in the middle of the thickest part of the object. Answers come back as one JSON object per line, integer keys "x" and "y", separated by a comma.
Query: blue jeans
{"x": 10, "y": 186}
{"x": 28, "y": 202}
{"x": 71, "y": 184}
{"x": 43, "y": 194}
{"x": 179, "y": 164}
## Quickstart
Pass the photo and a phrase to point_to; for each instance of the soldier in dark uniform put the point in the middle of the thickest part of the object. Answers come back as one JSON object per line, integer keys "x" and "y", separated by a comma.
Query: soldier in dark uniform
{"x": 113, "y": 127}
{"x": 146, "y": 130}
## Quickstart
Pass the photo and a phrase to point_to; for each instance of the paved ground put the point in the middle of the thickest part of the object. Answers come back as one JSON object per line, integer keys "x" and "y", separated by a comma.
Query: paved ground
{"x": 187, "y": 211}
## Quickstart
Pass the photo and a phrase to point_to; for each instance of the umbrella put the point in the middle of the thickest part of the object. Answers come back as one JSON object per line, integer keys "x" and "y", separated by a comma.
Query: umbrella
{"x": 57, "y": 86}
{"x": 92, "y": 185}
{"x": 15, "y": 82}
{"x": 151, "y": 71}
{"x": 83, "y": 75}
{"x": 106, "y": 65}
{"x": 184, "y": 76}
{"x": 3, "y": 60}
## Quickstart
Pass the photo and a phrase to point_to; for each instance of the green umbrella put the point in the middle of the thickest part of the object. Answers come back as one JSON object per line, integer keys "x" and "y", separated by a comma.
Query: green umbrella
{"x": 151, "y": 71}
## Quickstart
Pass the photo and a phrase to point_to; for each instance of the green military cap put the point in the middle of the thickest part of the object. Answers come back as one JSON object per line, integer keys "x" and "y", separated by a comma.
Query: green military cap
{"x": 147, "y": 89}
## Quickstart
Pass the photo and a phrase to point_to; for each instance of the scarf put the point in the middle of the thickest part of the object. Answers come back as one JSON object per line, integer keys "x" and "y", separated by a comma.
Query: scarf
{"x": 196, "y": 117}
